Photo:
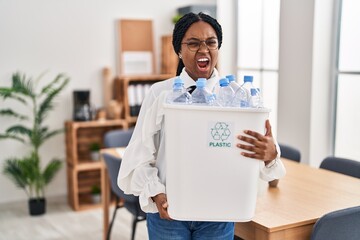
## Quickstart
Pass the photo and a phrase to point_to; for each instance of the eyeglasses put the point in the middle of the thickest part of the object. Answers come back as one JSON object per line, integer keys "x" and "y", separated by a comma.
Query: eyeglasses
{"x": 194, "y": 45}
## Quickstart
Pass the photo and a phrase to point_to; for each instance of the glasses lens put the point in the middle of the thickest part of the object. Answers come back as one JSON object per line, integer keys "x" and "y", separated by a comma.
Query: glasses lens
{"x": 212, "y": 44}
{"x": 193, "y": 45}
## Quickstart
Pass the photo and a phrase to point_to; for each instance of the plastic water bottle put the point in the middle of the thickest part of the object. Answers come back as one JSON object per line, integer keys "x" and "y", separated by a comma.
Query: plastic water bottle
{"x": 261, "y": 99}
{"x": 254, "y": 97}
{"x": 216, "y": 89}
{"x": 226, "y": 93}
{"x": 179, "y": 93}
{"x": 233, "y": 84}
{"x": 201, "y": 96}
{"x": 240, "y": 98}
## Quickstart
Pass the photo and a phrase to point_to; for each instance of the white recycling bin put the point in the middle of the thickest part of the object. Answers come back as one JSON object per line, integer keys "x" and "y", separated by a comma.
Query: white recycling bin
{"x": 206, "y": 177}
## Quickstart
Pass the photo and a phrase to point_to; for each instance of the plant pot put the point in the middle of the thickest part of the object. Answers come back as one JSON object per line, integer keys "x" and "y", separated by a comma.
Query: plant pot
{"x": 96, "y": 198}
{"x": 37, "y": 206}
{"x": 95, "y": 155}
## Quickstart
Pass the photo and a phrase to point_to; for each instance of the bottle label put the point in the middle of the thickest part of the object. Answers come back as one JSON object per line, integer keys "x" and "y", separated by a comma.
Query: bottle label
{"x": 220, "y": 134}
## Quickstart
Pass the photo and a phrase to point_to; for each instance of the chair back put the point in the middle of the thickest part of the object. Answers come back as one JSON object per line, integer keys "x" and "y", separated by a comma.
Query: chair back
{"x": 118, "y": 138}
{"x": 342, "y": 165}
{"x": 338, "y": 225}
{"x": 113, "y": 139}
{"x": 290, "y": 152}
{"x": 113, "y": 166}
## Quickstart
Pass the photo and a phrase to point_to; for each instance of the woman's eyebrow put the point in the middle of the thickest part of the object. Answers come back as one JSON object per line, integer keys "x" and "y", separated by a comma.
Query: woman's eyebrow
{"x": 197, "y": 39}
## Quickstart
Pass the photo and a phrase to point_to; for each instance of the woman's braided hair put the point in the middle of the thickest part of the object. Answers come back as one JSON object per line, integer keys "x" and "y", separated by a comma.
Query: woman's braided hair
{"x": 183, "y": 25}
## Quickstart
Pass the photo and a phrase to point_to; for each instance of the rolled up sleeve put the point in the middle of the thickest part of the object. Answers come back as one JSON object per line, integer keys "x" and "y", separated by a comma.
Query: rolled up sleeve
{"x": 276, "y": 170}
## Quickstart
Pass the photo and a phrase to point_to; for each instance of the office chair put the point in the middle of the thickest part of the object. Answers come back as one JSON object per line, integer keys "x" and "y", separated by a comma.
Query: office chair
{"x": 342, "y": 165}
{"x": 290, "y": 152}
{"x": 120, "y": 138}
{"x": 338, "y": 225}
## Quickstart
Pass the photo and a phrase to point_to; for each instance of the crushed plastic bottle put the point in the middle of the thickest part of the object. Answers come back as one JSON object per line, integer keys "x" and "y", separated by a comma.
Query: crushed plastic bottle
{"x": 179, "y": 93}
{"x": 201, "y": 96}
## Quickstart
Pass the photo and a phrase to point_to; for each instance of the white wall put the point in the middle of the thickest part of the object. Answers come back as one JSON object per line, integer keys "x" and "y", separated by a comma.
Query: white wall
{"x": 226, "y": 14}
{"x": 323, "y": 87}
{"x": 74, "y": 37}
{"x": 295, "y": 69}
{"x": 305, "y": 80}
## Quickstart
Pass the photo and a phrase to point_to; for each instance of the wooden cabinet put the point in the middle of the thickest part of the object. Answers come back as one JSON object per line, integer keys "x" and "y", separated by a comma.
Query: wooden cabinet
{"x": 82, "y": 172}
{"x": 122, "y": 85}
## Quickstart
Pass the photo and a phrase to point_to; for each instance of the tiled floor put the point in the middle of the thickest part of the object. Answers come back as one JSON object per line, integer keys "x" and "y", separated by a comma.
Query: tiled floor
{"x": 62, "y": 223}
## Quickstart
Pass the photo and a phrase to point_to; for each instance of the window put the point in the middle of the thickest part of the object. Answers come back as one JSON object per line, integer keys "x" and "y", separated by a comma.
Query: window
{"x": 258, "y": 48}
{"x": 347, "y": 127}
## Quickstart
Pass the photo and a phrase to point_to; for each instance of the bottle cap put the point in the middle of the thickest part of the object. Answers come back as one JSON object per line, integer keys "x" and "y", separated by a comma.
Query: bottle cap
{"x": 248, "y": 78}
{"x": 201, "y": 82}
{"x": 224, "y": 82}
{"x": 230, "y": 77}
{"x": 178, "y": 80}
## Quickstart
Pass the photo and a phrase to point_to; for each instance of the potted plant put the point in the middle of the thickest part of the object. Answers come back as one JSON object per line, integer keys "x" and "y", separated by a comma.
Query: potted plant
{"x": 176, "y": 18}
{"x": 95, "y": 151}
{"x": 95, "y": 194}
{"x": 27, "y": 172}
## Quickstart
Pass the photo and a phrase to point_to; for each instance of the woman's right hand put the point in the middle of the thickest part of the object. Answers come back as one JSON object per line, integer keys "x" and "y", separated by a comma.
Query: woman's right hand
{"x": 162, "y": 205}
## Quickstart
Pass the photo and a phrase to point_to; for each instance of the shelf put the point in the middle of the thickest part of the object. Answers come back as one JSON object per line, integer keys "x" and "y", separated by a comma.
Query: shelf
{"x": 97, "y": 124}
{"x": 91, "y": 165}
{"x": 121, "y": 91}
{"x": 82, "y": 172}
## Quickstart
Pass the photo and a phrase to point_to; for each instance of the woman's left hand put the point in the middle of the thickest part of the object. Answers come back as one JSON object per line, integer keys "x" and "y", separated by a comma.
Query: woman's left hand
{"x": 259, "y": 146}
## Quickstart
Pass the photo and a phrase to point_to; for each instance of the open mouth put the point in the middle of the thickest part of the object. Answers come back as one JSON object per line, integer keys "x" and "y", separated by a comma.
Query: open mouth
{"x": 203, "y": 63}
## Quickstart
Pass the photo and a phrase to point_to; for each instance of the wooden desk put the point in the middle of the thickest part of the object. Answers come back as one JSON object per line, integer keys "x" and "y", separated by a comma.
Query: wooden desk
{"x": 105, "y": 194}
{"x": 302, "y": 196}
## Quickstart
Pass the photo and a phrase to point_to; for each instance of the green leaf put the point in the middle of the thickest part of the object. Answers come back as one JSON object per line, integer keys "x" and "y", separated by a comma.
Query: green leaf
{"x": 51, "y": 169}
{"x": 53, "y": 133}
{"x": 37, "y": 137}
{"x": 9, "y": 136}
{"x": 52, "y": 84}
{"x": 12, "y": 169}
{"x": 47, "y": 103}
{"x": 19, "y": 130}
{"x": 21, "y": 85}
{"x": 10, "y": 93}
{"x": 11, "y": 113}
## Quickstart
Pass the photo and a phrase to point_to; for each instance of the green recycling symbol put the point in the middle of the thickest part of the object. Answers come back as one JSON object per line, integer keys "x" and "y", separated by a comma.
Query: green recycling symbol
{"x": 220, "y": 131}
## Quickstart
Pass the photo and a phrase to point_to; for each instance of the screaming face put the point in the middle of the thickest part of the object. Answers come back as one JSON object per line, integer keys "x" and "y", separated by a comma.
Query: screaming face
{"x": 199, "y": 50}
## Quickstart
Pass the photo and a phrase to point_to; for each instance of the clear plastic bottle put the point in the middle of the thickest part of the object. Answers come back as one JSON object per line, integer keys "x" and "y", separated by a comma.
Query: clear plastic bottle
{"x": 261, "y": 99}
{"x": 216, "y": 89}
{"x": 254, "y": 97}
{"x": 179, "y": 93}
{"x": 241, "y": 98}
{"x": 201, "y": 96}
{"x": 233, "y": 84}
{"x": 226, "y": 93}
